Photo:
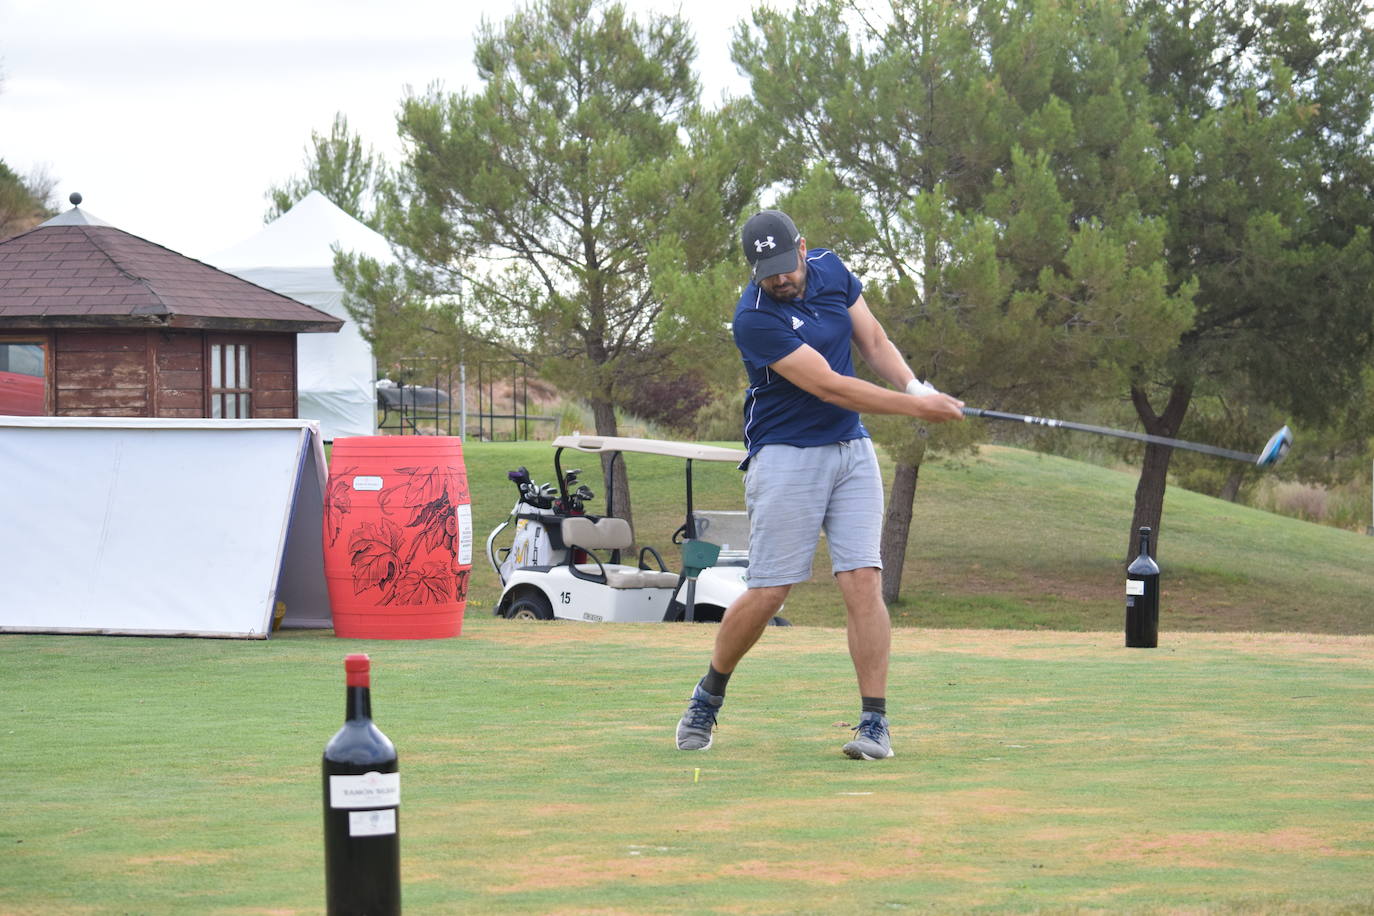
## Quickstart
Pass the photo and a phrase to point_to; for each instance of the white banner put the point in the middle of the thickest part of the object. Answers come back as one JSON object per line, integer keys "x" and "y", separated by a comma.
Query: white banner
{"x": 159, "y": 527}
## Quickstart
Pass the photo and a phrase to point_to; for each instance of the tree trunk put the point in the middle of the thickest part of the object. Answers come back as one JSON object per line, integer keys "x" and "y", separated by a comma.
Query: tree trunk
{"x": 1231, "y": 489}
{"x": 897, "y": 527}
{"x": 908, "y": 453}
{"x": 603, "y": 413}
{"x": 1154, "y": 470}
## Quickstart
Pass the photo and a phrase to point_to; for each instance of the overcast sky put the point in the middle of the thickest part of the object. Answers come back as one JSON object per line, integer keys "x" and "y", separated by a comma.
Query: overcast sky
{"x": 172, "y": 118}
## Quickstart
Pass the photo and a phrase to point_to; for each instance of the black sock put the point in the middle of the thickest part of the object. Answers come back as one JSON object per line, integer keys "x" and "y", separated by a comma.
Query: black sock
{"x": 875, "y": 704}
{"x": 714, "y": 682}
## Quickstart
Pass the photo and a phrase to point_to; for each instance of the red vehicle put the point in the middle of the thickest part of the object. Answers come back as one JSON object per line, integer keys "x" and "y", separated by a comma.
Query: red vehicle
{"x": 21, "y": 395}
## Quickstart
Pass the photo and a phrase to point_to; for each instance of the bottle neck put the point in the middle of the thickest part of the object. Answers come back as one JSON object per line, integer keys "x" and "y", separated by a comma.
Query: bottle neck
{"x": 358, "y": 704}
{"x": 1145, "y": 543}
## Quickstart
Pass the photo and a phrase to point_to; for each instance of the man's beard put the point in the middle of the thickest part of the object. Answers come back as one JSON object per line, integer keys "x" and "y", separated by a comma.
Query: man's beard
{"x": 789, "y": 290}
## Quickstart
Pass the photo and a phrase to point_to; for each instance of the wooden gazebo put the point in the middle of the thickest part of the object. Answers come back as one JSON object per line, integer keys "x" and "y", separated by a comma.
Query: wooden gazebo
{"x": 97, "y": 322}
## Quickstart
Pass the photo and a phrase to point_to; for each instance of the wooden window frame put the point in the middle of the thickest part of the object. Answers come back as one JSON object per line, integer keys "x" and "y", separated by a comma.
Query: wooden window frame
{"x": 217, "y": 347}
{"x": 45, "y": 341}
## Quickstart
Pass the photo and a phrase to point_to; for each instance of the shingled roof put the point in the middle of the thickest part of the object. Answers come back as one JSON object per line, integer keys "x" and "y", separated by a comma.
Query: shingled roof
{"x": 75, "y": 271}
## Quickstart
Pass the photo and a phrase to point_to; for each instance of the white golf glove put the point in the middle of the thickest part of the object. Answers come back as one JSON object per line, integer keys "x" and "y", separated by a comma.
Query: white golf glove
{"x": 916, "y": 386}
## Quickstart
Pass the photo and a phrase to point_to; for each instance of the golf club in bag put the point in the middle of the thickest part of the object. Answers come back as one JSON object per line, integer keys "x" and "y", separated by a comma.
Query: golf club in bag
{"x": 1273, "y": 452}
{"x": 537, "y": 515}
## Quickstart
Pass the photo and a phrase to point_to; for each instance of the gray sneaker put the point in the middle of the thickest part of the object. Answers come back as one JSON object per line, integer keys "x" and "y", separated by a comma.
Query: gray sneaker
{"x": 871, "y": 741}
{"x": 694, "y": 729}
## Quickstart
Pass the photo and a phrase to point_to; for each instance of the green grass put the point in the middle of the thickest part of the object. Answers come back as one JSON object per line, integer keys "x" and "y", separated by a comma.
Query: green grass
{"x": 1016, "y": 539}
{"x": 1042, "y": 767}
{"x": 1036, "y": 772}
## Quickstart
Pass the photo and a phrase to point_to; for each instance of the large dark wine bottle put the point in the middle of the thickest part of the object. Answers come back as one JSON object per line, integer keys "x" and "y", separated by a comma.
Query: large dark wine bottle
{"x": 362, "y": 797}
{"x": 1142, "y": 598}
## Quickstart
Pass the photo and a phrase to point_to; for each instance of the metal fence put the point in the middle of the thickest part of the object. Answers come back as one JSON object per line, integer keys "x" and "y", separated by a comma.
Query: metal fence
{"x": 428, "y": 402}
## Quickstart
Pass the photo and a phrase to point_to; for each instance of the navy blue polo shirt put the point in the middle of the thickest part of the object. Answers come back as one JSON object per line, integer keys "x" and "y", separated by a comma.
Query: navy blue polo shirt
{"x": 767, "y": 329}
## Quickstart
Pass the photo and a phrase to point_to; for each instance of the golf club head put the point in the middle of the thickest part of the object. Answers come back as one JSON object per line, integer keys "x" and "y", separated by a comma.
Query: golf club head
{"x": 1276, "y": 448}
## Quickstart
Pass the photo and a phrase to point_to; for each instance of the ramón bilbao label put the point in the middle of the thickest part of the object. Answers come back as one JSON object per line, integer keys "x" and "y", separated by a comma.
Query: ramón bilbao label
{"x": 370, "y": 790}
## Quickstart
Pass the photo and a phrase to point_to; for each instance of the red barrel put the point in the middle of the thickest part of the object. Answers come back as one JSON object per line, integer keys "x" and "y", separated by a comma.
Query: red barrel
{"x": 397, "y": 537}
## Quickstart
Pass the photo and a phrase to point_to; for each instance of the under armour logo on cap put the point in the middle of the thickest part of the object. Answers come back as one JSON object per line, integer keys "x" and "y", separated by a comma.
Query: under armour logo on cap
{"x": 770, "y": 244}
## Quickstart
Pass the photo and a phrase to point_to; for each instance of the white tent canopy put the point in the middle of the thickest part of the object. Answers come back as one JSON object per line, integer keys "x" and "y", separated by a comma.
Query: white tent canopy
{"x": 294, "y": 256}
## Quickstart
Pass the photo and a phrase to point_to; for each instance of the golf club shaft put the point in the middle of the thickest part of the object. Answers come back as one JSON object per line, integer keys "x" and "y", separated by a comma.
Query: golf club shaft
{"x": 1106, "y": 431}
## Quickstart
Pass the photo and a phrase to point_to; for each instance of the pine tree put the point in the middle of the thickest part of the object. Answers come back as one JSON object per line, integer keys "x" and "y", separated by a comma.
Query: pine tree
{"x": 985, "y": 163}
{"x": 1264, "y": 113}
{"x": 580, "y": 206}
{"x": 338, "y": 167}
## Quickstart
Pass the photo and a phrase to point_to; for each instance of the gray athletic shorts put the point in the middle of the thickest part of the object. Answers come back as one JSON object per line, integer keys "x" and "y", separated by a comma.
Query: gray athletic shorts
{"x": 792, "y": 494}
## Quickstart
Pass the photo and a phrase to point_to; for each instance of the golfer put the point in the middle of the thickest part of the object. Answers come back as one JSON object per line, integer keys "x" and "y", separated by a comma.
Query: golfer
{"x": 811, "y": 465}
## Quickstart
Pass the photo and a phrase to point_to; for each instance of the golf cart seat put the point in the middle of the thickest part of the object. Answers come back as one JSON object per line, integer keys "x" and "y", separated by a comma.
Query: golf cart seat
{"x": 612, "y": 534}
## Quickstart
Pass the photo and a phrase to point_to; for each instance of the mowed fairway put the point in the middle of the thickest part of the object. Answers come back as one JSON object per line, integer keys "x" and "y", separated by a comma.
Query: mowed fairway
{"x": 1036, "y": 771}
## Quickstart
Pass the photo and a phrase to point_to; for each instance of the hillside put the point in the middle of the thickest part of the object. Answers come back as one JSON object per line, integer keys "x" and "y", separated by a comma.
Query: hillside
{"x": 1016, "y": 539}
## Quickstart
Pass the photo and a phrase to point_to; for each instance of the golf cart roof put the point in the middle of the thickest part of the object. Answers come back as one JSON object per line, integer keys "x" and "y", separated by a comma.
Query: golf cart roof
{"x": 689, "y": 450}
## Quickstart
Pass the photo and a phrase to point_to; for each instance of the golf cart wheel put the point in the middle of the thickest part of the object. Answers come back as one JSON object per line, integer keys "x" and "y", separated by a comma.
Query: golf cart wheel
{"x": 779, "y": 622}
{"x": 530, "y": 606}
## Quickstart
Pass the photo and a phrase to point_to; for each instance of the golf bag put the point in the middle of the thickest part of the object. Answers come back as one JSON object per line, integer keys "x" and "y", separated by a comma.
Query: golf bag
{"x": 538, "y": 517}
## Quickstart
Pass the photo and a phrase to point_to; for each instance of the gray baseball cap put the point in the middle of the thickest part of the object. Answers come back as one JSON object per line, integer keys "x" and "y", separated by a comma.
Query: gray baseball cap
{"x": 770, "y": 244}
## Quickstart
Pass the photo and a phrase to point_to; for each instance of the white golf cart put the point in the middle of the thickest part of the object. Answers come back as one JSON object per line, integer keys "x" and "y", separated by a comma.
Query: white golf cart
{"x": 565, "y": 563}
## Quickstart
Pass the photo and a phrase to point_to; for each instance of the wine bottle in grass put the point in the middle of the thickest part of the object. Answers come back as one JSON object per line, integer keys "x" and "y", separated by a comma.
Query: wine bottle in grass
{"x": 1142, "y": 598}
{"x": 362, "y": 797}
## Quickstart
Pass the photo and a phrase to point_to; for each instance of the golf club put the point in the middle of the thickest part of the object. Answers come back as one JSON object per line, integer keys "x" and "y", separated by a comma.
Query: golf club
{"x": 1273, "y": 452}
